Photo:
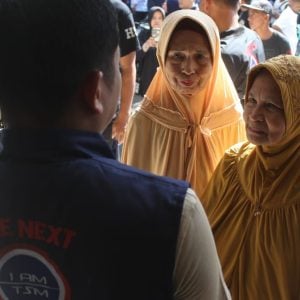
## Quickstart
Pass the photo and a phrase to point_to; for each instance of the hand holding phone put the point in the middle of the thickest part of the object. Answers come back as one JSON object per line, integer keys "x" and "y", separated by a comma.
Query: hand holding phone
{"x": 155, "y": 32}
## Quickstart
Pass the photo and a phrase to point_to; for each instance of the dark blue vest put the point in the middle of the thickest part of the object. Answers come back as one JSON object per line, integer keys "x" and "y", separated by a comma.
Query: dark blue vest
{"x": 76, "y": 224}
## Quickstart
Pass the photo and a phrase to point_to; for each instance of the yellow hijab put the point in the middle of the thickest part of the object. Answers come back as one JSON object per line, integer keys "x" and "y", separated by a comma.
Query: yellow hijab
{"x": 281, "y": 160}
{"x": 253, "y": 202}
{"x": 206, "y": 123}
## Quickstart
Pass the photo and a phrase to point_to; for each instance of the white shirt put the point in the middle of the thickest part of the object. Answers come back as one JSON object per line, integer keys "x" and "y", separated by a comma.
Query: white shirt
{"x": 139, "y": 5}
{"x": 287, "y": 22}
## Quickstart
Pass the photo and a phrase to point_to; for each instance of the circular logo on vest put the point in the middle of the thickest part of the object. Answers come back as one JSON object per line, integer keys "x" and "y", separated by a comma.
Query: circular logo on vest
{"x": 27, "y": 274}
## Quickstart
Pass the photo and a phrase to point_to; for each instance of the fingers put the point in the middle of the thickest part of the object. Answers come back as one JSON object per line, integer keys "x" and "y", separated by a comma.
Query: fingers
{"x": 118, "y": 133}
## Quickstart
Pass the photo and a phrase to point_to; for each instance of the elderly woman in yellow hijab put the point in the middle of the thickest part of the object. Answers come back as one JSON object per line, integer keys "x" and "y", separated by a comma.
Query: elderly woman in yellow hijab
{"x": 253, "y": 198}
{"x": 191, "y": 113}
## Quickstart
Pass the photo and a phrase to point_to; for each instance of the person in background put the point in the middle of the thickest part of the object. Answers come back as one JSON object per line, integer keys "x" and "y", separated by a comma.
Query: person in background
{"x": 170, "y": 6}
{"x": 129, "y": 44}
{"x": 139, "y": 9}
{"x": 241, "y": 47}
{"x": 275, "y": 43}
{"x": 243, "y": 13}
{"x": 253, "y": 198}
{"x": 75, "y": 223}
{"x": 297, "y": 53}
{"x": 155, "y": 3}
{"x": 146, "y": 56}
{"x": 190, "y": 113}
{"x": 187, "y": 4}
{"x": 287, "y": 23}
{"x": 279, "y": 6}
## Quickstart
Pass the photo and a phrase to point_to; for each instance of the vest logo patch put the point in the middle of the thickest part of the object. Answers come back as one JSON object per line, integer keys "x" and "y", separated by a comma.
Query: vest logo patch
{"x": 28, "y": 274}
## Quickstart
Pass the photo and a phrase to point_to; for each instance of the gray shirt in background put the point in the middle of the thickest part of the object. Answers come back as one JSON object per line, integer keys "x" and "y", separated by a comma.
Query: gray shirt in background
{"x": 276, "y": 45}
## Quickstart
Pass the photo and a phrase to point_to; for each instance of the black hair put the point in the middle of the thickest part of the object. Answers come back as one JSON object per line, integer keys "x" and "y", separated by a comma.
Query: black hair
{"x": 47, "y": 49}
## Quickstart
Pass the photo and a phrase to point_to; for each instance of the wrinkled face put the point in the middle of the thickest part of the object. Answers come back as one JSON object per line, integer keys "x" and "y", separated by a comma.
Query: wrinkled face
{"x": 263, "y": 111}
{"x": 188, "y": 62}
{"x": 157, "y": 20}
{"x": 256, "y": 19}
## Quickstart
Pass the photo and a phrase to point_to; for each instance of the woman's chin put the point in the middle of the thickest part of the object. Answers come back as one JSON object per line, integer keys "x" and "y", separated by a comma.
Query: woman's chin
{"x": 188, "y": 92}
{"x": 256, "y": 139}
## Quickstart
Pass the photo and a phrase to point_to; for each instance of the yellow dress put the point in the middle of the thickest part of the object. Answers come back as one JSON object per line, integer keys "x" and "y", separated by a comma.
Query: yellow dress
{"x": 253, "y": 203}
{"x": 180, "y": 137}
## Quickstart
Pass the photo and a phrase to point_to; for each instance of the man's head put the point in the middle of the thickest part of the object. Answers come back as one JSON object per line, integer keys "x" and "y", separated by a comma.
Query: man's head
{"x": 53, "y": 52}
{"x": 259, "y": 14}
{"x": 223, "y": 12}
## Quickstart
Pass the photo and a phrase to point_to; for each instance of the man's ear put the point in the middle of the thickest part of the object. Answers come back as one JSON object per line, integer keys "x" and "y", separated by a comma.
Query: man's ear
{"x": 92, "y": 91}
{"x": 204, "y": 5}
{"x": 267, "y": 18}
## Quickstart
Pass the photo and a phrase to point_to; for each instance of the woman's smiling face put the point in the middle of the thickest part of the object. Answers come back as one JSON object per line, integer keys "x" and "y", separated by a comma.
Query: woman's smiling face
{"x": 188, "y": 62}
{"x": 263, "y": 111}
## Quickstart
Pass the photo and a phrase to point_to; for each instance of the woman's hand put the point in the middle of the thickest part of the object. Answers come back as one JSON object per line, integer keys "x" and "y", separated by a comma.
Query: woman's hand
{"x": 149, "y": 43}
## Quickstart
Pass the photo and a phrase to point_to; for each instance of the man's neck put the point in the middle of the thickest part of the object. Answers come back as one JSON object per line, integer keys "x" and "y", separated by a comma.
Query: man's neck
{"x": 264, "y": 33}
{"x": 229, "y": 22}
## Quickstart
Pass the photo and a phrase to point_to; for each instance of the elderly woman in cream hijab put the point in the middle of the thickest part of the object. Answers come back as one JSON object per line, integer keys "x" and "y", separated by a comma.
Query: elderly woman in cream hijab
{"x": 191, "y": 112}
{"x": 253, "y": 198}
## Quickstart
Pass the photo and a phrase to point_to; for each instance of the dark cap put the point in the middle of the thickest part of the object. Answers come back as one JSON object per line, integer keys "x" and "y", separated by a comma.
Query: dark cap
{"x": 261, "y": 5}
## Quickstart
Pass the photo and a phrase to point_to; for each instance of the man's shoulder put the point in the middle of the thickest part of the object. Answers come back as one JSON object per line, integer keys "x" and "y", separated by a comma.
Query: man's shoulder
{"x": 128, "y": 37}
{"x": 236, "y": 42}
{"x": 120, "y": 7}
{"x": 279, "y": 37}
{"x": 131, "y": 176}
{"x": 250, "y": 35}
{"x": 247, "y": 42}
{"x": 239, "y": 36}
